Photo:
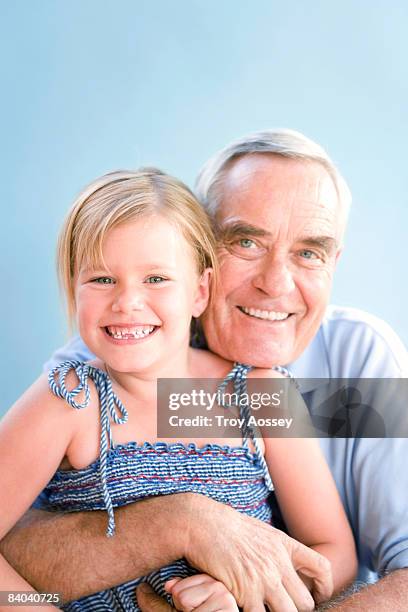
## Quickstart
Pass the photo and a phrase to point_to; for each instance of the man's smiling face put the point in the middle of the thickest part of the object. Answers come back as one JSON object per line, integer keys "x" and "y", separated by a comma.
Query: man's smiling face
{"x": 281, "y": 229}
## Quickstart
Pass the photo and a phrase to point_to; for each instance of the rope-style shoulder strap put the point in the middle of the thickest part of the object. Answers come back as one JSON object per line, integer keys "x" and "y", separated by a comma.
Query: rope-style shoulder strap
{"x": 111, "y": 408}
{"x": 238, "y": 377}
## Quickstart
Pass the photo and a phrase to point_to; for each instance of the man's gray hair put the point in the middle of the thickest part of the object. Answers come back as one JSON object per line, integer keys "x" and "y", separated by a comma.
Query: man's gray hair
{"x": 283, "y": 142}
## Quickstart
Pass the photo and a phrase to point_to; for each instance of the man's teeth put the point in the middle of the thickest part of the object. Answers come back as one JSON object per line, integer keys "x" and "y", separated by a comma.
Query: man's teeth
{"x": 120, "y": 333}
{"x": 269, "y": 315}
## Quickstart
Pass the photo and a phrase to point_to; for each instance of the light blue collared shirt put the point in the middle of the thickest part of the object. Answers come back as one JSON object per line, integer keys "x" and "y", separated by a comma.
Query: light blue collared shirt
{"x": 371, "y": 473}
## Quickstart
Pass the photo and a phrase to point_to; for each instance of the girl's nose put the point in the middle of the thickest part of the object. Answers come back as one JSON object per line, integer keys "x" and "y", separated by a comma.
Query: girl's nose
{"x": 127, "y": 302}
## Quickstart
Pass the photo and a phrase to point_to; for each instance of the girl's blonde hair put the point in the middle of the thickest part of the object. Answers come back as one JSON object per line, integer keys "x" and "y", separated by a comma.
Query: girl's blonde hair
{"x": 122, "y": 197}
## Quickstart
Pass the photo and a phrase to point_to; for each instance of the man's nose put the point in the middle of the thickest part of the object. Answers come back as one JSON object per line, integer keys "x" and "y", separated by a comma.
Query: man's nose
{"x": 127, "y": 301}
{"x": 274, "y": 277}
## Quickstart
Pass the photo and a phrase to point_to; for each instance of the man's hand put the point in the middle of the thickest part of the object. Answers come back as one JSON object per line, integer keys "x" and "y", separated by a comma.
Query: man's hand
{"x": 257, "y": 563}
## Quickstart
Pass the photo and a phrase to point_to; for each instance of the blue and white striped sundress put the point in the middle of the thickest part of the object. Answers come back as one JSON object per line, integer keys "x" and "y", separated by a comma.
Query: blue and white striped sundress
{"x": 126, "y": 473}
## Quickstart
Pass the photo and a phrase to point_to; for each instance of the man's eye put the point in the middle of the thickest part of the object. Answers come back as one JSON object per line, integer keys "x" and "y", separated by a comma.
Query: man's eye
{"x": 246, "y": 243}
{"x": 307, "y": 254}
{"x": 155, "y": 280}
{"x": 103, "y": 280}
{"x": 245, "y": 248}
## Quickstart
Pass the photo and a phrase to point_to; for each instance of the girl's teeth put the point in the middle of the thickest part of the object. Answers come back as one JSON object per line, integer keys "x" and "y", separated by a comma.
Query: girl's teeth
{"x": 120, "y": 333}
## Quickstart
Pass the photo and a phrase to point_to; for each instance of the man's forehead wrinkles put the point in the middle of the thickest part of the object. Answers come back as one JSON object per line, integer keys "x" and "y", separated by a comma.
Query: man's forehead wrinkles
{"x": 320, "y": 225}
{"x": 315, "y": 216}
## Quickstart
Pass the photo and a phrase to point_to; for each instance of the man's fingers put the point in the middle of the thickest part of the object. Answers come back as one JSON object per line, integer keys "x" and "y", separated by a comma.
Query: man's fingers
{"x": 298, "y": 591}
{"x": 323, "y": 588}
{"x": 149, "y": 601}
{"x": 318, "y": 568}
{"x": 279, "y": 601}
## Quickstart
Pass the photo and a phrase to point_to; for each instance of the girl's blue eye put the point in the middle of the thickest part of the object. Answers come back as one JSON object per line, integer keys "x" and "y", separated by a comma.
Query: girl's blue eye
{"x": 155, "y": 279}
{"x": 103, "y": 280}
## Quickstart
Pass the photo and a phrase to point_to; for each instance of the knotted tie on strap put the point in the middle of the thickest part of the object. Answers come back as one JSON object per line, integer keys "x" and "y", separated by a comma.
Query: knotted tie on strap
{"x": 110, "y": 405}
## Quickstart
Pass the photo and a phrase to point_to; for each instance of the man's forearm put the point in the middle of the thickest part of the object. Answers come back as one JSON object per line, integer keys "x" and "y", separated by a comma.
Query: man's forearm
{"x": 70, "y": 553}
{"x": 389, "y": 593}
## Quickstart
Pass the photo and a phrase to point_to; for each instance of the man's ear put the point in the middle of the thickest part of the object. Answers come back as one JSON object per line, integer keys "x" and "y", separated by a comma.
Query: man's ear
{"x": 202, "y": 293}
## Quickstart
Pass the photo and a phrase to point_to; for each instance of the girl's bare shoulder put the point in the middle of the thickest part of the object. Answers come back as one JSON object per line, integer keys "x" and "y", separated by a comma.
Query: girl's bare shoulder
{"x": 39, "y": 409}
{"x": 38, "y": 397}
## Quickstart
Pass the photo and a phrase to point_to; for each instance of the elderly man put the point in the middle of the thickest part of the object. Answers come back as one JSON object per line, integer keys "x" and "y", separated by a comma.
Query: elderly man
{"x": 279, "y": 206}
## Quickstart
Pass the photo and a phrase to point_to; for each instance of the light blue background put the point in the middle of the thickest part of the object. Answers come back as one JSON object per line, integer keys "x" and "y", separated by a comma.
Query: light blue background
{"x": 92, "y": 85}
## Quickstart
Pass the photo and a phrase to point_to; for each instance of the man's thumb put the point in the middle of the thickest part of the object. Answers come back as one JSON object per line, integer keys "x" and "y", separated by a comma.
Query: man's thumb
{"x": 149, "y": 601}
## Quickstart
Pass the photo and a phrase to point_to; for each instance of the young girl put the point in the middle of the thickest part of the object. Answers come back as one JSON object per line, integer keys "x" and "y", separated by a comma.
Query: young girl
{"x": 136, "y": 256}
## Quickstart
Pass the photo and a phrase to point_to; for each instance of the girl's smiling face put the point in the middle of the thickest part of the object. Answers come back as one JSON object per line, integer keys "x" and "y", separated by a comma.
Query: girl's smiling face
{"x": 134, "y": 312}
